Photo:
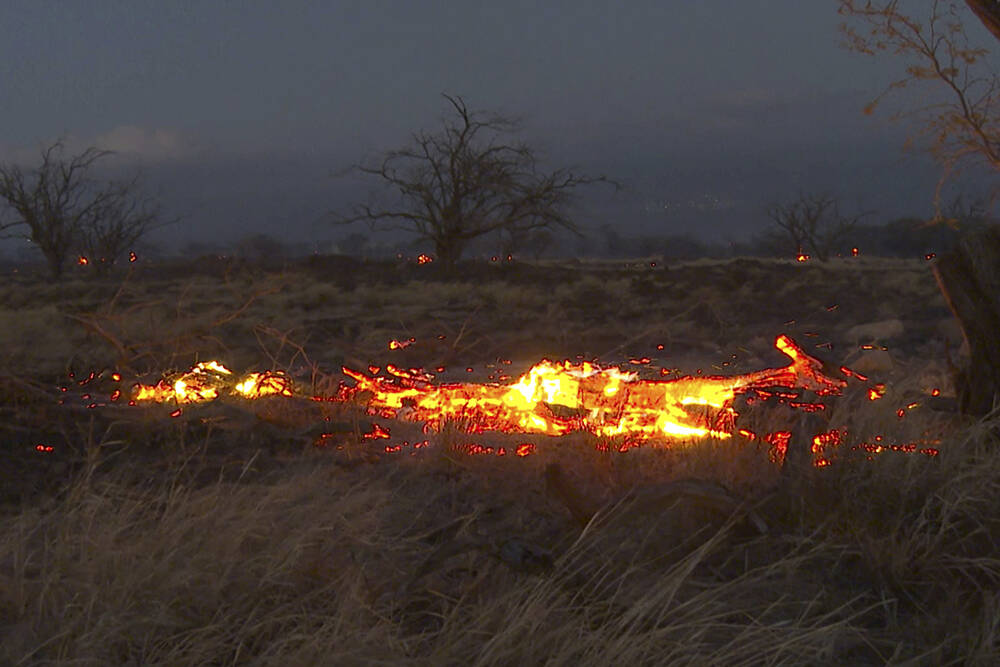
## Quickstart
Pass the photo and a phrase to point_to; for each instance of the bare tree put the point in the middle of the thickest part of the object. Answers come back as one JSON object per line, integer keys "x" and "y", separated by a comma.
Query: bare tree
{"x": 117, "y": 224}
{"x": 962, "y": 130}
{"x": 466, "y": 181}
{"x": 60, "y": 209}
{"x": 937, "y": 49}
{"x": 813, "y": 224}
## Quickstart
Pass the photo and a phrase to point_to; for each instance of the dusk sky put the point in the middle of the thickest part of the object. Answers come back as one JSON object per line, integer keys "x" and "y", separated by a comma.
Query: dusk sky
{"x": 240, "y": 113}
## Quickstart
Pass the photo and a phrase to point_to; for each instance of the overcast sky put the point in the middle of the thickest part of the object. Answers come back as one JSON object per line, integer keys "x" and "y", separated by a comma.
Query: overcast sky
{"x": 239, "y": 113}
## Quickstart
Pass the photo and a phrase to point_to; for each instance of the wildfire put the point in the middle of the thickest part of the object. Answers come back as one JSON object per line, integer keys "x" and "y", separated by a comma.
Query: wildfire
{"x": 552, "y": 399}
{"x": 206, "y": 381}
{"x": 555, "y": 398}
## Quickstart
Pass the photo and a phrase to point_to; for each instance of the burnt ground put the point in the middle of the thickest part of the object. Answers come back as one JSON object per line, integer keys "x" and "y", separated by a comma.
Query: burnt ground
{"x": 272, "y": 531}
{"x": 885, "y": 318}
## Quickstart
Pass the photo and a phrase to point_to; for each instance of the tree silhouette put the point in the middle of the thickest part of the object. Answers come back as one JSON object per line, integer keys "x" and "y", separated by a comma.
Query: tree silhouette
{"x": 467, "y": 180}
{"x": 60, "y": 209}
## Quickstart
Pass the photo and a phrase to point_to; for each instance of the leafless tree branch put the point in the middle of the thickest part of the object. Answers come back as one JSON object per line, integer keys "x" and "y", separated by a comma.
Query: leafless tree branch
{"x": 59, "y": 208}
{"x": 813, "y": 224}
{"x": 937, "y": 49}
{"x": 465, "y": 181}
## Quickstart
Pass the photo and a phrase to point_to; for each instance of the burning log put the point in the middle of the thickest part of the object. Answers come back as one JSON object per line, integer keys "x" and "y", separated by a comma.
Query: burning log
{"x": 557, "y": 398}
{"x": 208, "y": 380}
{"x": 550, "y": 399}
{"x": 969, "y": 278}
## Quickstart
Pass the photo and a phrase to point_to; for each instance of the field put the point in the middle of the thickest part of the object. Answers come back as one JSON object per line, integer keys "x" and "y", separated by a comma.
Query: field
{"x": 274, "y": 532}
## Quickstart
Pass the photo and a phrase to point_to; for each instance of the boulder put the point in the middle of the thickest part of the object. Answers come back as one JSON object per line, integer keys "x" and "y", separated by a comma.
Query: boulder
{"x": 871, "y": 362}
{"x": 875, "y": 332}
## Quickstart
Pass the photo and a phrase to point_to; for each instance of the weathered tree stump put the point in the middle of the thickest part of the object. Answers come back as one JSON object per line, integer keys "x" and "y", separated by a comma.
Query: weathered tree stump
{"x": 969, "y": 278}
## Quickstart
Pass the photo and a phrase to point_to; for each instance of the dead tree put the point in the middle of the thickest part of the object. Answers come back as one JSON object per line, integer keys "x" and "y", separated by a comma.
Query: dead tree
{"x": 969, "y": 277}
{"x": 813, "y": 224}
{"x": 467, "y": 181}
{"x": 116, "y": 225}
{"x": 964, "y": 130}
{"x": 60, "y": 209}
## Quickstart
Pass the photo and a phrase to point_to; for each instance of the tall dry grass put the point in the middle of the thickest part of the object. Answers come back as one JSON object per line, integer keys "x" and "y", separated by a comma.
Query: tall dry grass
{"x": 156, "y": 553}
{"x": 866, "y": 562}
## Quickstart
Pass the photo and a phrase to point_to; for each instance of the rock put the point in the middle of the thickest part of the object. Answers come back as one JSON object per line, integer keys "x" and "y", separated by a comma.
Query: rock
{"x": 875, "y": 332}
{"x": 869, "y": 362}
{"x": 936, "y": 375}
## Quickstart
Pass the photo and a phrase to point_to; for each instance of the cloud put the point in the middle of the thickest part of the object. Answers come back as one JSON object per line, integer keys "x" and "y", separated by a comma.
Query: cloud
{"x": 154, "y": 144}
{"x": 128, "y": 143}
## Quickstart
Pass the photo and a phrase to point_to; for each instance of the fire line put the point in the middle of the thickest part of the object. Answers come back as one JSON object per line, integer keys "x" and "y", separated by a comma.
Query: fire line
{"x": 551, "y": 398}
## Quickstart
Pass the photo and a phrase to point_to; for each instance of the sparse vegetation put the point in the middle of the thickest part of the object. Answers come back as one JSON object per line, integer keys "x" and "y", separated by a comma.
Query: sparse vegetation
{"x": 62, "y": 209}
{"x": 813, "y": 225}
{"x": 937, "y": 52}
{"x": 227, "y": 534}
{"x": 468, "y": 181}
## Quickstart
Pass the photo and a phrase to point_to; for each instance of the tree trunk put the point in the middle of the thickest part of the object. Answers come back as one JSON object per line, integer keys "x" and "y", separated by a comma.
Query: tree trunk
{"x": 448, "y": 251}
{"x": 987, "y": 11}
{"x": 969, "y": 277}
{"x": 56, "y": 264}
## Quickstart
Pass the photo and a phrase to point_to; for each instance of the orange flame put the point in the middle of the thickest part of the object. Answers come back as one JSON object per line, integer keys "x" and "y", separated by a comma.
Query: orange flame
{"x": 557, "y": 398}
{"x": 267, "y": 383}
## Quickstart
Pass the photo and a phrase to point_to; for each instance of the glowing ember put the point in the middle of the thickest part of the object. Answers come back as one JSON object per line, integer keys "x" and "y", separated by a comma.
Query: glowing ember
{"x": 256, "y": 385}
{"x": 553, "y": 399}
{"x": 525, "y": 449}
{"x": 201, "y": 383}
{"x": 557, "y": 398}
{"x": 550, "y": 399}
{"x": 208, "y": 380}
{"x": 400, "y": 344}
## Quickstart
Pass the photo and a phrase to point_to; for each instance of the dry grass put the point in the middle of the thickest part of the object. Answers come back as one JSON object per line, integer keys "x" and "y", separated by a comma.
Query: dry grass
{"x": 883, "y": 561}
{"x": 226, "y": 538}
